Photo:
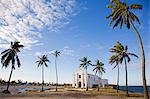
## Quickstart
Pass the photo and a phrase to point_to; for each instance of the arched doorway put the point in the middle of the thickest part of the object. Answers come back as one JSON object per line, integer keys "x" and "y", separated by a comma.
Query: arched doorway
{"x": 79, "y": 84}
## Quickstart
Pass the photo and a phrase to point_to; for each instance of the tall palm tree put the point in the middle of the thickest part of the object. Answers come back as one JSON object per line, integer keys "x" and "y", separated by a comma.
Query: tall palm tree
{"x": 99, "y": 69}
{"x": 56, "y": 54}
{"x": 42, "y": 61}
{"x": 123, "y": 54}
{"x": 123, "y": 13}
{"x": 84, "y": 64}
{"x": 114, "y": 59}
{"x": 9, "y": 56}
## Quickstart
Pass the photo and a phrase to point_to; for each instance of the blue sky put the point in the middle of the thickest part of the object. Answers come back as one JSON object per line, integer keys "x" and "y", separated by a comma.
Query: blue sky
{"x": 81, "y": 30}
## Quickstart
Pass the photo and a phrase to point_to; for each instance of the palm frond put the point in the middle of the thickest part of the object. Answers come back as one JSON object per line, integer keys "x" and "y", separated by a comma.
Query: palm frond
{"x": 118, "y": 22}
{"x": 18, "y": 61}
{"x": 42, "y": 61}
{"x": 96, "y": 72}
{"x": 7, "y": 61}
{"x": 85, "y": 62}
{"x": 103, "y": 70}
{"x": 126, "y": 48}
{"x": 127, "y": 21}
{"x": 94, "y": 69}
{"x": 128, "y": 58}
{"x": 134, "y": 17}
{"x": 37, "y": 61}
{"x": 39, "y": 64}
{"x": 132, "y": 54}
{"x": 5, "y": 51}
{"x": 13, "y": 62}
{"x": 56, "y": 53}
{"x": 10, "y": 55}
{"x": 4, "y": 57}
{"x": 115, "y": 16}
{"x": 121, "y": 9}
{"x": 11, "y": 44}
{"x": 114, "y": 59}
{"x": 121, "y": 23}
{"x": 136, "y": 6}
{"x": 115, "y": 66}
{"x": 110, "y": 15}
{"x": 99, "y": 67}
{"x": 45, "y": 64}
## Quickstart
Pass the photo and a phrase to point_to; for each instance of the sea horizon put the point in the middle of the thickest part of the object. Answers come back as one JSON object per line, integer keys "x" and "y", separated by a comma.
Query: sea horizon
{"x": 134, "y": 89}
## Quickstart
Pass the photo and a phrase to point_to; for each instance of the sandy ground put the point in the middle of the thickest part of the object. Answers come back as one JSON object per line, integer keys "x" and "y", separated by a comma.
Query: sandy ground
{"x": 63, "y": 93}
{"x": 60, "y": 95}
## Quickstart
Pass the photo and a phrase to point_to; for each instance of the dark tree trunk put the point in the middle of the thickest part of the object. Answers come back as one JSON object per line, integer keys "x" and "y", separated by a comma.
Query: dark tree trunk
{"x": 42, "y": 78}
{"x": 99, "y": 82}
{"x": 127, "y": 94}
{"x": 86, "y": 80}
{"x": 9, "y": 79}
{"x": 146, "y": 96}
{"x": 56, "y": 74}
{"x": 118, "y": 79}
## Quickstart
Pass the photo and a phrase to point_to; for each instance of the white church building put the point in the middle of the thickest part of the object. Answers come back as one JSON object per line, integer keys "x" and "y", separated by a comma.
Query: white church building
{"x": 80, "y": 79}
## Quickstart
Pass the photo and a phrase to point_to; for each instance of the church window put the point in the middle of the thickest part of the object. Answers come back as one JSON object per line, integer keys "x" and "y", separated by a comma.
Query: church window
{"x": 79, "y": 76}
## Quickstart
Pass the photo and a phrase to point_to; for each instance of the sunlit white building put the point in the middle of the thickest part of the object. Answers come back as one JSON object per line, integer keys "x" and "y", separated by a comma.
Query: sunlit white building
{"x": 80, "y": 79}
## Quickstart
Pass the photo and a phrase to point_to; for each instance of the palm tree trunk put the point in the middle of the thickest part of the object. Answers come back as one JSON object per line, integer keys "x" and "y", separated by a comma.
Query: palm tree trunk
{"x": 99, "y": 82}
{"x": 56, "y": 73}
{"x": 118, "y": 80}
{"x": 42, "y": 78}
{"x": 86, "y": 80}
{"x": 127, "y": 94}
{"x": 146, "y": 96}
{"x": 9, "y": 79}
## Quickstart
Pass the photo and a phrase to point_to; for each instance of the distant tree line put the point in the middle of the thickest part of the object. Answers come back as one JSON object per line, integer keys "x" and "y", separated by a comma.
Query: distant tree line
{"x": 20, "y": 82}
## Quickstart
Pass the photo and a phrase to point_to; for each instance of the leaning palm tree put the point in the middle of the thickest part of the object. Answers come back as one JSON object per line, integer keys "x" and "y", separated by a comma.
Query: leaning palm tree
{"x": 123, "y": 13}
{"x": 124, "y": 55}
{"x": 56, "y": 54}
{"x": 9, "y": 56}
{"x": 99, "y": 69}
{"x": 84, "y": 64}
{"x": 114, "y": 59}
{"x": 42, "y": 61}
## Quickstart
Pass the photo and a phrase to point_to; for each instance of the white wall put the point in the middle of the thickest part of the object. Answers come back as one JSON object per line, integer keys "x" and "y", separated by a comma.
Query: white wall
{"x": 92, "y": 80}
{"x": 82, "y": 78}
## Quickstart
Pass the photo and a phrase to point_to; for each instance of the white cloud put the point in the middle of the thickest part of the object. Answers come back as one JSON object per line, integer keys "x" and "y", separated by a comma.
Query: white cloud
{"x": 39, "y": 44}
{"x": 86, "y": 46}
{"x": 23, "y": 20}
{"x": 51, "y": 52}
{"x": 38, "y": 54}
{"x": 66, "y": 47}
{"x": 67, "y": 51}
{"x": 4, "y": 46}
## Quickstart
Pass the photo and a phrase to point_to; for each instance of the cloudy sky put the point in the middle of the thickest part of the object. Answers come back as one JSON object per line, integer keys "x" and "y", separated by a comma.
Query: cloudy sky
{"x": 77, "y": 28}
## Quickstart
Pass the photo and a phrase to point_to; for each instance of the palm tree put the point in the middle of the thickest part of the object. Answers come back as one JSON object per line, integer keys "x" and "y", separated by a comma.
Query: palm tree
{"x": 56, "y": 54}
{"x": 42, "y": 62}
{"x": 114, "y": 59}
{"x": 123, "y": 54}
{"x": 85, "y": 63}
{"x": 9, "y": 56}
{"x": 121, "y": 12}
{"x": 99, "y": 69}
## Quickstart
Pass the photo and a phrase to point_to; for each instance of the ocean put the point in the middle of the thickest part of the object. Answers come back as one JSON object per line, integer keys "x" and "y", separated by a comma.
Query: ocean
{"x": 138, "y": 89}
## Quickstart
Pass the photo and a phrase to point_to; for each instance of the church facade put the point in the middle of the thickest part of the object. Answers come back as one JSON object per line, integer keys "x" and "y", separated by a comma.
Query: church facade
{"x": 80, "y": 79}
